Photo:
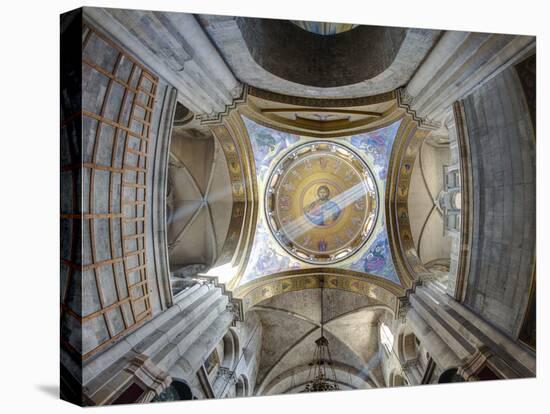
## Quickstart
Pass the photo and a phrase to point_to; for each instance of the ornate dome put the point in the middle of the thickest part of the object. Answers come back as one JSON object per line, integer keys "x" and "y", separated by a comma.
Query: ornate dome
{"x": 321, "y": 202}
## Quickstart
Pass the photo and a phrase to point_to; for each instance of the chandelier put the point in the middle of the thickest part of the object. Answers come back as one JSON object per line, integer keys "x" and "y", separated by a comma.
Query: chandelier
{"x": 321, "y": 371}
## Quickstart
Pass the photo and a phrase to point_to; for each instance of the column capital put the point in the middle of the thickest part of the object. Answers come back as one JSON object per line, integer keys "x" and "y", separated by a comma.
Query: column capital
{"x": 474, "y": 364}
{"x": 148, "y": 374}
{"x": 227, "y": 375}
{"x": 403, "y": 307}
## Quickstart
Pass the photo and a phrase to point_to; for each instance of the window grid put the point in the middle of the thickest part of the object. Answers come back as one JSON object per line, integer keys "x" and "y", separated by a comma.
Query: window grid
{"x": 127, "y": 209}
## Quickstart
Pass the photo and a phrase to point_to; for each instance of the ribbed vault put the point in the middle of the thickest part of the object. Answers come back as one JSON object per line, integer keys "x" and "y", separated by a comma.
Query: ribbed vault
{"x": 199, "y": 201}
{"x": 291, "y": 322}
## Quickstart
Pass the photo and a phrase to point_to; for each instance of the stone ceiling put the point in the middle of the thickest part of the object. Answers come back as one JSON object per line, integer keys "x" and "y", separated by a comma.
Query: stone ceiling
{"x": 292, "y": 322}
{"x": 258, "y": 52}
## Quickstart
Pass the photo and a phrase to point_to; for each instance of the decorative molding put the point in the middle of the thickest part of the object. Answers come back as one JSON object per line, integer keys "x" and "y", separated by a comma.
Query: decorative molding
{"x": 351, "y": 115}
{"x": 405, "y": 101}
{"x": 204, "y": 381}
{"x": 441, "y": 262}
{"x": 236, "y": 308}
{"x": 411, "y": 363}
{"x": 423, "y": 278}
{"x": 160, "y": 198}
{"x": 227, "y": 375}
{"x": 154, "y": 379}
{"x": 411, "y": 371}
{"x": 475, "y": 364}
{"x": 403, "y": 307}
{"x": 235, "y": 305}
{"x": 239, "y": 94}
{"x": 321, "y": 102}
{"x": 466, "y": 209}
{"x": 234, "y": 128}
{"x": 404, "y": 152}
{"x": 376, "y": 288}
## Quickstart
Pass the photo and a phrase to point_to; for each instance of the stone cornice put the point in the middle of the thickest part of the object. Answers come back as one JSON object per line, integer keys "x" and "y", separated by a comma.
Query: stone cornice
{"x": 216, "y": 118}
{"x": 405, "y": 101}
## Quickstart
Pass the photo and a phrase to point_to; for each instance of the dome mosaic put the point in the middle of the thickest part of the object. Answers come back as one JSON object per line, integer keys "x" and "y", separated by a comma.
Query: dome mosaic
{"x": 321, "y": 202}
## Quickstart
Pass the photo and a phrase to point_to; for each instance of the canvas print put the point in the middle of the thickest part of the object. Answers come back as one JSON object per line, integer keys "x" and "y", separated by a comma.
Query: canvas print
{"x": 256, "y": 207}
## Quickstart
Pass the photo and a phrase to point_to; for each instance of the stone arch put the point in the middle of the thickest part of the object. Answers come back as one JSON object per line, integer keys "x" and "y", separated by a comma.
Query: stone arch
{"x": 242, "y": 388}
{"x": 229, "y": 351}
{"x": 396, "y": 379}
{"x": 293, "y": 379}
{"x": 405, "y": 149}
{"x": 227, "y": 381}
{"x": 380, "y": 290}
{"x": 182, "y": 115}
{"x": 234, "y": 139}
{"x": 237, "y": 350}
{"x": 450, "y": 375}
{"x": 399, "y": 381}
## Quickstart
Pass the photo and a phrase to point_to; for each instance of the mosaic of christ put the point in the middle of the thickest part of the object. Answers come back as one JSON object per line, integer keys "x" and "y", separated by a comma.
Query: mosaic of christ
{"x": 323, "y": 211}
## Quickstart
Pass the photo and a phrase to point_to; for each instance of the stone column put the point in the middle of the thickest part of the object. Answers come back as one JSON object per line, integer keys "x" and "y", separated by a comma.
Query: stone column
{"x": 174, "y": 46}
{"x": 412, "y": 372}
{"x": 197, "y": 353}
{"x": 205, "y": 53}
{"x": 444, "y": 48}
{"x": 458, "y": 63}
{"x": 458, "y": 338}
{"x": 441, "y": 353}
{"x": 225, "y": 382}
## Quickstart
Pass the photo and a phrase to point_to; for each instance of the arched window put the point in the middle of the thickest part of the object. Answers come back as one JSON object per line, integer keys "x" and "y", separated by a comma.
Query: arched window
{"x": 408, "y": 346}
{"x": 241, "y": 388}
{"x": 386, "y": 337}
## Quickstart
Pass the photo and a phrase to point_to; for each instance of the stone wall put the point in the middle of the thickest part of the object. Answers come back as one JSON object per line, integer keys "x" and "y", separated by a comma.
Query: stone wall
{"x": 502, "y": 143}
{"x": 110, "y": 281}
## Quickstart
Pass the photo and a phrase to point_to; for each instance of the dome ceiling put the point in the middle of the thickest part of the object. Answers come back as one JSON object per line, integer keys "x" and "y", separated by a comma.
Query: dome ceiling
{"x": 353, "y": 164}
{"x": 321, "y": 202}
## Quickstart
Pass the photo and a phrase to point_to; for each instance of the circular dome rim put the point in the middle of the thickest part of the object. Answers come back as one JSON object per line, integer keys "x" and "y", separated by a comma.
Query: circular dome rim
{"x": 366, "y": 166}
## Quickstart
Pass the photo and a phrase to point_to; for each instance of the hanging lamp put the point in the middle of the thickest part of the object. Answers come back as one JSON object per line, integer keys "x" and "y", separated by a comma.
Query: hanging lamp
{"x": 321, "y": 371}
